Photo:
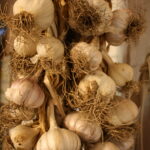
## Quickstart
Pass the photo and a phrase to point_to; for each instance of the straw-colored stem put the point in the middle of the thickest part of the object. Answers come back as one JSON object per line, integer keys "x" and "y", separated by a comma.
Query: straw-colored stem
{"x": 55, "y": 96}
{"x": 107, "y": 58}
{"x": 42, "y": 115}
{"x": 52, "y": 120}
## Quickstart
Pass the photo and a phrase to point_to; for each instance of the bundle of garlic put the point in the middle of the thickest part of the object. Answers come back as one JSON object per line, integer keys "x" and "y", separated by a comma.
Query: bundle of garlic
{"x": 62, "y": 56}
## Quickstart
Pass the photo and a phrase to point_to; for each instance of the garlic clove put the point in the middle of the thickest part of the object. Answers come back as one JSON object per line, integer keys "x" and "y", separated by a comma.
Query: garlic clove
{"x": 105, "y": 146}
{"x": 125, "y": 112}
{"x": 23, "y": 137}
{"x": 88, "y": 131}
{"x": 25, "y": 92}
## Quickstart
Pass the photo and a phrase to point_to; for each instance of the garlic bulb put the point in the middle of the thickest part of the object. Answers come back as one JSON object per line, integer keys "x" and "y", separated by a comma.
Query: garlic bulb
{"x": 125, "y": 112}
{"x": 41, "y": 10}
{"x": 51, "y": 48}
{"x": 105, "y": 146}
{"x": 105, "y": 85}
{"x": 25, "y": 92}
{"x": 23, "y": 137}
{"x": 87, "y": 51}
{"x": 79, "y": 122}
{"x": 126, "y": 144}
{"x": 121, "y": 73}
{"x": 89, "y": 17}
{"x": 25, "y": 46}
{"x": 127, "y": 24}
{"x": 57, "y": 138}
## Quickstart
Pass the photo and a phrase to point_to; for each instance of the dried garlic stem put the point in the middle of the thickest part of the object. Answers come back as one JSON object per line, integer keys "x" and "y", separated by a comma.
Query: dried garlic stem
{"x": 42, "y": 114}
{"x": 52, "y": 119}
{"x": 36, "y": 75}
{"x": 107, "y": 58}
{"x": 55, "y": 96}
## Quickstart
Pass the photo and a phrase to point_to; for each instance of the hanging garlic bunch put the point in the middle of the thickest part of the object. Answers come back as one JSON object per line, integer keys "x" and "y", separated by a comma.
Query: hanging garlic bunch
{"x": 89, "y": 17}
{"x": 79, "y": 122}
{"x": 23, "y": 137}
{"x": 89, "y": 52}
{"x": 128, "y": 26}
{"x": 105, "y": 146}
{"x": 58, "y": 138}
{"x": 125, "y": 112}
{"x": 25, "y": 45}
{"x": 30, "y": 13}
{"x": 121, "y": 73}
{"x": 98, "y": 82}
{"x": 25, "y": 92}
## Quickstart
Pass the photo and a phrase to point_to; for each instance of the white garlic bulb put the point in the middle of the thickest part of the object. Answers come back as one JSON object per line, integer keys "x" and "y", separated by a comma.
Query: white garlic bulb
{"x": 57, "y": 138}
{"x": 106, "y": 86}
{"x": 42, "y": 11}
{"x": 79, "y": 122}
{"x": 121, "y": 73}
{"x": 51, "y": 48}
{"x": 25, "y": 92}
{"x": 90, "y": 17}
{"x": 25, "y": 46}
{"x": 105, "y": 146}
{"x": 23, "y": 137}
{"x": 86, "y": 51}
{"x": 125, "y": 112}
{"x": 121, "y": 19}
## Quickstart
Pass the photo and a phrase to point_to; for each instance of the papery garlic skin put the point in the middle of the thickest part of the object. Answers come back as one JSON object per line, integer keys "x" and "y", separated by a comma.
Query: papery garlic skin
{"x": 51, "y": 48}
{"x": 90, "y": 53}
{"x": 59, "y": 139}
{"x": 121, "y": 73}
{"x": 120, "y": 22}
{"x": 105, "y": 146}
{"x": 25, "y": 46}
{"x": 25, "y": 92}
{"x": 23, "y": 137}
{"x": 125, "y": 112}
{"x": 106, "y": 86}
{"x": 88, "y": 131}
{"x": 42, "y": 11}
